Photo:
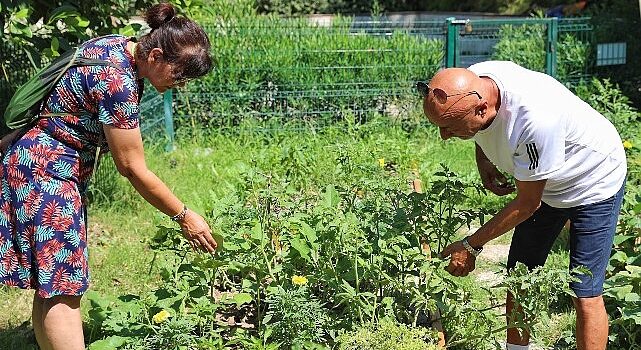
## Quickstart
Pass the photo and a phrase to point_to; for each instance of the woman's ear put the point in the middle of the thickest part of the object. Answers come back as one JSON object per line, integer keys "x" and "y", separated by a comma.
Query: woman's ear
{"x": 155, "y": 54}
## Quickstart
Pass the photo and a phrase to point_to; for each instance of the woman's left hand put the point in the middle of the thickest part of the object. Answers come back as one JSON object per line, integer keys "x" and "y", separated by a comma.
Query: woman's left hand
{"x": 197, "y": 231}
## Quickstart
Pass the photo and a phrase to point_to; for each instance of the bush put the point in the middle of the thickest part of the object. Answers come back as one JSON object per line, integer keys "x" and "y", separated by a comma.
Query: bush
{"x": 525, "y": 45}
{"x": 610, "y": 101}
{"x": 388, "y": 335}
{"x": 295, "y": 317}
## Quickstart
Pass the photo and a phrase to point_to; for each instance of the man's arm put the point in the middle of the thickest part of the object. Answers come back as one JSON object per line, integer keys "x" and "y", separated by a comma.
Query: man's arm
{"x": 526, "y": 202}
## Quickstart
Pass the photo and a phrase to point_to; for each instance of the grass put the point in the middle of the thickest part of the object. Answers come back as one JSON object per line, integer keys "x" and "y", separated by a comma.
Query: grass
{"x": 205, "y": 168}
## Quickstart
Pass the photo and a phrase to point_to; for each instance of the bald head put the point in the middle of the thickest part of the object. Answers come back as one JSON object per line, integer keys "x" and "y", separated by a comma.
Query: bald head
{"x": 452, "y": 81}
{"x": 457, "y": 102}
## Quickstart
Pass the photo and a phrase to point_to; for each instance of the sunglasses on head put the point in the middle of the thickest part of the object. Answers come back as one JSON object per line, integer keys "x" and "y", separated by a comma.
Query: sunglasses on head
{"x": 440, "y": 95}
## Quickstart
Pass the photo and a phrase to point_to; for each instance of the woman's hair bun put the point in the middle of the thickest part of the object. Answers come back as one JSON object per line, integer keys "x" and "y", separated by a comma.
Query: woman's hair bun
{"x": 160, "y": 14}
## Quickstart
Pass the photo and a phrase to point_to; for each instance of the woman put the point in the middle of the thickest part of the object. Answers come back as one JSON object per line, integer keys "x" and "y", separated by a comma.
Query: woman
{"x": 45, "y": 171}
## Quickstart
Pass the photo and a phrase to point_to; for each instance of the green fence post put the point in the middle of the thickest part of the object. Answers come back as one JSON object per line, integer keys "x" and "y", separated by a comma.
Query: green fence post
{"x": 450, "y": 43}
{"x": 169, "y": 119}
{"x": 550, "y": 47}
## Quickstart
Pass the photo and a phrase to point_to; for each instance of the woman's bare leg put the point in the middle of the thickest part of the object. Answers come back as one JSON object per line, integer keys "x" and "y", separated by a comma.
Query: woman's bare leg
{"x": 63, "y": 323}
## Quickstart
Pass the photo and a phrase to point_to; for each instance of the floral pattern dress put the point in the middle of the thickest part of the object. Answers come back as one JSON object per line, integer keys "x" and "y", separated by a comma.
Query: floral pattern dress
{"x": 45, "y": 172}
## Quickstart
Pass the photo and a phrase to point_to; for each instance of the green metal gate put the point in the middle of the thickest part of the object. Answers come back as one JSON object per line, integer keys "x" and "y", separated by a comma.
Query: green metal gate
{"x": 469, "y": 41}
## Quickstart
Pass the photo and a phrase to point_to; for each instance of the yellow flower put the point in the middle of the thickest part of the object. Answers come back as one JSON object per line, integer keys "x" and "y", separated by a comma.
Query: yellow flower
{"x": 627, "y": 144}
{"x": 299, "y": 280}
{"x": 381, "y": 162}
{"x": 161, "y": 317}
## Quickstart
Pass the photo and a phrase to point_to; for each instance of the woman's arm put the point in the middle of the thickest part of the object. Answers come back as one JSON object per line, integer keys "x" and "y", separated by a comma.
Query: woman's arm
{"x": 128, "y": 154}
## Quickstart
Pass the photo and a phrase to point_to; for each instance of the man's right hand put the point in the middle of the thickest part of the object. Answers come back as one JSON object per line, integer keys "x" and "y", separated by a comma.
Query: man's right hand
{"x": 493, "y": 179}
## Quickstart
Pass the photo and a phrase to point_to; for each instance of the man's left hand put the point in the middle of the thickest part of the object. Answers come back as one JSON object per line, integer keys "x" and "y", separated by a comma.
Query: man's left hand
{"x": 461, "y": 261}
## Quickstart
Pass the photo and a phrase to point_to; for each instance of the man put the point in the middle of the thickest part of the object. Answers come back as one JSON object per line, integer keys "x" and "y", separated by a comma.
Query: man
{"x": 568, "y": 162}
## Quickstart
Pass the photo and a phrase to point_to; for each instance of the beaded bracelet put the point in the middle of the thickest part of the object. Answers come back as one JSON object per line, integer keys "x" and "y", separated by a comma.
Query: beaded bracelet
{"x": 180, "y": 216}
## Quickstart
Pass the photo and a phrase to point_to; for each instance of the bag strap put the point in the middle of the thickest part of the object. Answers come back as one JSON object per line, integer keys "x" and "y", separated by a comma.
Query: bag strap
{"x": 77, "y": 62}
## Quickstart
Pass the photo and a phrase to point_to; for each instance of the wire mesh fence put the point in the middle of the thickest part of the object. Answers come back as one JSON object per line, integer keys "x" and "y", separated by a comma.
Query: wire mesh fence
{"x": 304, "y": 73}
{"x": 299, "y": 73}
{"x": 15, "y": 69}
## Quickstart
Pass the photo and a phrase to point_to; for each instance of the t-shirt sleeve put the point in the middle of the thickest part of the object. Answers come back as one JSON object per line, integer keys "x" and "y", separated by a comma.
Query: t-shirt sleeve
{"x": 540, "y": 150}
{"x": 116, "y": 95}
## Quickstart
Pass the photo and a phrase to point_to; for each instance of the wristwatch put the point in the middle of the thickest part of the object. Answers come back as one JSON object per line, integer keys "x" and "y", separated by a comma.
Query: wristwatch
{"x": 471, "y": 249}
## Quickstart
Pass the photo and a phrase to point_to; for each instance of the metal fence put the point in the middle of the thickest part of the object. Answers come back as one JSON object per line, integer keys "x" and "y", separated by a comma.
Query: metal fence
{"x": 15, "y": 69}
{"x": 294, "y": 72}
{"x": 476, "y": 40}
{"x": 297, "y": 73}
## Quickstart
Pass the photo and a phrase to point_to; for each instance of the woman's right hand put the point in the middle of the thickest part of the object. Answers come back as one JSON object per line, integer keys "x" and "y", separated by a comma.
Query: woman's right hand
{"x": 197, "y": 232}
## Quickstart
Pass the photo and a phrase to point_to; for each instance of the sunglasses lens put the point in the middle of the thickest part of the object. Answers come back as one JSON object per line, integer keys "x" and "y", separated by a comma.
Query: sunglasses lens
{"x": 440, "y": 95}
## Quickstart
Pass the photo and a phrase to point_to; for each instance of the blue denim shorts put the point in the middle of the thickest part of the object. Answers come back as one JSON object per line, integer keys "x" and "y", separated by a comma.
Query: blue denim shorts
{"x": 592, "y": 228}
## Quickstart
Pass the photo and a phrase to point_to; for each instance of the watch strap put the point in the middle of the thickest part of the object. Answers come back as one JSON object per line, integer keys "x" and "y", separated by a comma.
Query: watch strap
{"x": 471, "y": 249}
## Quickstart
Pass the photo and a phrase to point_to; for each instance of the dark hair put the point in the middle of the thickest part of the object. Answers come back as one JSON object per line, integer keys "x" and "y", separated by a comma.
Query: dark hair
{"x": 183, "y": 42}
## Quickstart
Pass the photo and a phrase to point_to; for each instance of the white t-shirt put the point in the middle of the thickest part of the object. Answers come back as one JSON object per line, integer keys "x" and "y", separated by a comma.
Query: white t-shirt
{"x": 543, "y": 131}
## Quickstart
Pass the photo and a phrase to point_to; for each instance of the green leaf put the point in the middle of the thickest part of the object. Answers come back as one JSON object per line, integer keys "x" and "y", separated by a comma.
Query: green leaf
{"x": 97, "y": 315}
{"x": 62, "y": 12}
{"x": 21, "y": 14}
{"x": 331, "y": 197}
{"x": 13, "y": 29}
{"x": 632, "y": 314}
{"x": 55, "y": 45}
{"x": 257, "y": 232}
{"x": 97, "y": 300}
{"x": 128, "y": 30}
{"x": 231, "y": 246}
{"x": 308, "y": 232}
{"x": 301, "y": 247}
{"x": 26, "y": 31}
{"x": 111, "y": 343}
{"x": 632, "y": 298}
{"x": 242, "y": 298}
{"x": 619, "y": 257}
{"x": 622, "y": 291}
{"x": 618, "y": 239}
{"x": 348, "y": 288}
{"x": 634, "y": 269}
{"x": 82, "y": 22}
{"x": 220, "y": 240}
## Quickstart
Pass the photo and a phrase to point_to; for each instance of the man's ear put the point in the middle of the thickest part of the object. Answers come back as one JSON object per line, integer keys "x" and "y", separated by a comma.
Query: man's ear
{"x": 155, "y": 54}
{"x": 482, "y": 109}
